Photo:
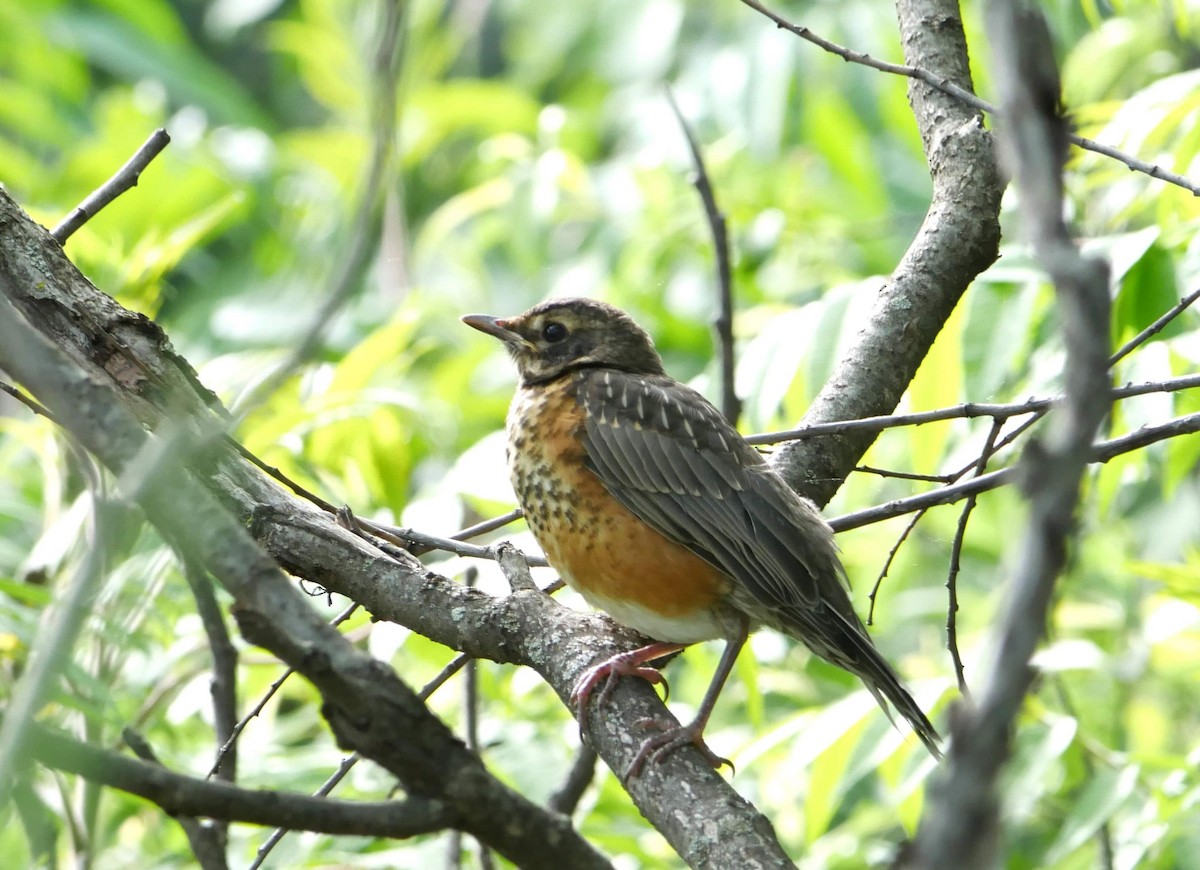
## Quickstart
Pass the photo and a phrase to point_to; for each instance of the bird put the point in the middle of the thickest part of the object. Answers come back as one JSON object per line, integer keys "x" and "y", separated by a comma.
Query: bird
{"x": 653, "y": 507}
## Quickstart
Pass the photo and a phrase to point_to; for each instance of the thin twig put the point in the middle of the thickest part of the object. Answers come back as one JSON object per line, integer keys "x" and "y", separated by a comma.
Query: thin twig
{"x": 349, "y": 761}
{"x": 121, "y": 181}
{"x": 406, "y": 537}
{"x": 229, "y": 743}
{"x": 471, "y": 714}
{"x": 731, "y": 405}
{"x": 960, "y": 534}
{"x": 887, "y": 564}
{"x": 1102, "y": 451}
{"x": 28, "y": 401}
{"x": 1154, "y": 328}
{"x": 324, "y": 791}
{"x": 965, "y": 96}
{"x": 278, "y": 475}
{"x": 207, "y": 838}
{"x": 904, "y": 475}
{"x": 967, "y": 410}
{"x": 225, "y": 661}
{"x": 482, "y": 528}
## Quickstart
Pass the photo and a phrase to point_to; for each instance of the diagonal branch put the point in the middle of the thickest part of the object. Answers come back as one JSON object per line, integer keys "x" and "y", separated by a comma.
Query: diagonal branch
{"x": 125, "y": 178}
{"x": 366, "y": 705}
{"x": 958, "y": 239}
{"x": 697, "y": 811}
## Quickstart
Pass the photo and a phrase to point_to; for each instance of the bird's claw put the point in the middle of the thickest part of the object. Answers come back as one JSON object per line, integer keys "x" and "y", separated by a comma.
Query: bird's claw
{"x": 654, "y": 749}
{"x": 608, "y": 671}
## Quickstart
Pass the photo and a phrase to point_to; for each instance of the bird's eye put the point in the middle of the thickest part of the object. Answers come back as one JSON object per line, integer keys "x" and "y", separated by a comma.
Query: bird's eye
{"x": 554, "y": 331}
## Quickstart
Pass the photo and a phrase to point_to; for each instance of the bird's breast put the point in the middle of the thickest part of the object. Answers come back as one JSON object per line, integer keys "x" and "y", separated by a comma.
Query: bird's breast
{"x": 618, "y": 563}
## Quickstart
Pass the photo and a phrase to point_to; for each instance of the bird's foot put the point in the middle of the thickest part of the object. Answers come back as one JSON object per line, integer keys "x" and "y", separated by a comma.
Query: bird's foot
{"x": 632, "y": 664}
{"x": 673, "y": 737}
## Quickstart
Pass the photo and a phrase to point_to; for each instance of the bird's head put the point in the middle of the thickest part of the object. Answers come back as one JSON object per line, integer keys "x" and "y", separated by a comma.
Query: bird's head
{"x": 563, "y": 335}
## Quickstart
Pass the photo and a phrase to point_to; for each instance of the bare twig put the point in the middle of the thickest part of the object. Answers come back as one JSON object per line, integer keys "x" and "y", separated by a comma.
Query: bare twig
{"x": 278, "y": 475}
{"x": 225, "y": 661}
{"x": 482, "y": 528}
{"x": 1160, "y": 323}
{"x": 350, "y": 761}
{"x": 124, "y": 178}
{"x": 968, "y": 410}
{"x": 471, "y": 702}
{"x": 904, "y": 475}
{"x": 965, "y": 96}
{"x": 1102, "y": 451}
{"x": 960, "y": 534}
{"x": 236, "y": 732}
{"x": 887, "y": 564}
{"x": 731, "y": 405}
{"x": 27, "y": 401}
{"x": 326, "y": 788}
{"x": 406, "y": 537}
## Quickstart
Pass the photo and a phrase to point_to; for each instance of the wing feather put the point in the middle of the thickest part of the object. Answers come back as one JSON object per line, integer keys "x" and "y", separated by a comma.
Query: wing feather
{"x": 667, "y": 455}
{"x": 672, "y": 459}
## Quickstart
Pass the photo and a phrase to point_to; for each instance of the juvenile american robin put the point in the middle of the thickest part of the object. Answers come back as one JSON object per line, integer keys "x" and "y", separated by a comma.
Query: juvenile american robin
{"x": 649, "y": 503}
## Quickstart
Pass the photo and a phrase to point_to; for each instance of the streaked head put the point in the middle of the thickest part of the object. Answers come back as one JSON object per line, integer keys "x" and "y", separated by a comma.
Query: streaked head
{"x": 563, "y": 335}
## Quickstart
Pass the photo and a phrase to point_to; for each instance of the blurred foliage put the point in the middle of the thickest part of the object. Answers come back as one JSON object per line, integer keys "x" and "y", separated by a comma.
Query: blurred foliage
{"x": 537, "y": 156}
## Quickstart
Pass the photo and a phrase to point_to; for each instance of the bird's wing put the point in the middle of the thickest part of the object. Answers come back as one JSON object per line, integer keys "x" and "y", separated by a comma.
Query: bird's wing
{"x": 665, "y": 453}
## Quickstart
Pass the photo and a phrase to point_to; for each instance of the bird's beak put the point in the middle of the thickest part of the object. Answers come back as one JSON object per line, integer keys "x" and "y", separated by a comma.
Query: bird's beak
{"x": 494, "y": 327}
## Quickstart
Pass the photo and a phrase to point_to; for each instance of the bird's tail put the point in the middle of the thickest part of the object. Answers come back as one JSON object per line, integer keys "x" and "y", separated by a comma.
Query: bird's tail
{"x": 883, "y": 683}
{"x": 857, "y": 654}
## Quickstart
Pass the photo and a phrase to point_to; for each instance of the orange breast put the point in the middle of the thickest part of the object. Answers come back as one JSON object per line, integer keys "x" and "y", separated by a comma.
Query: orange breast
{"x": 615, "y": 561}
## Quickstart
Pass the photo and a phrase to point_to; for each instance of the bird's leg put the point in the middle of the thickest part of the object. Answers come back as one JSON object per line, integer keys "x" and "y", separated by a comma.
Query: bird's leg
{"x": 654, "y": 749}
{"x": 631, "y": 664}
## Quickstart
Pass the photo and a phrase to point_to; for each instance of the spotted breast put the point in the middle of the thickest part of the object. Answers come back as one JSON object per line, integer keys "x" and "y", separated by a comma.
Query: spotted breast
{"x": 598, "y": 546}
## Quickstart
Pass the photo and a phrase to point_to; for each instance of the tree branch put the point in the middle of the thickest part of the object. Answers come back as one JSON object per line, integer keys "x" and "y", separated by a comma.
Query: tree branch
{"x": 706, "y": 821}
{"x": 958, "y": 239}
{"x": 367, "y": 706}
{"x": 125, "y": 178}
{"x": 731, "y": 405}
{"x": 187, "y": 796}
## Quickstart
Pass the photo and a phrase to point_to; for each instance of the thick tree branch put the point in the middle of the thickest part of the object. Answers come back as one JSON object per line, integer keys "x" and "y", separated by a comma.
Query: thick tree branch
{"x": 126, "y": 357}
{"x": 958, "y": 239}
{"x": 368, "y": 707}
